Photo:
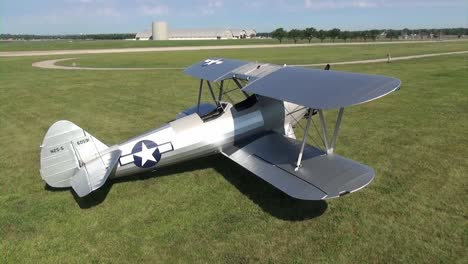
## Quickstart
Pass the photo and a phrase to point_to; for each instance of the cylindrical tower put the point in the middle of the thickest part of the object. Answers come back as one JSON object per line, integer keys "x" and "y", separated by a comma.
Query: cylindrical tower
{"x": 160, "y": 31}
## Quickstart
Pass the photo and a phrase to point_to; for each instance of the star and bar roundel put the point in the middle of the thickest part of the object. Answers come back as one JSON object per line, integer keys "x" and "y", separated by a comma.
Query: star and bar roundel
{"x": 146, "y": 154}
{"x": 212, "y": 62}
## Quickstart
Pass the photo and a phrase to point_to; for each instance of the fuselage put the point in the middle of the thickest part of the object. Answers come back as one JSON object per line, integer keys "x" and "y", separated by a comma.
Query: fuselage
{"x": 193, "y": 136}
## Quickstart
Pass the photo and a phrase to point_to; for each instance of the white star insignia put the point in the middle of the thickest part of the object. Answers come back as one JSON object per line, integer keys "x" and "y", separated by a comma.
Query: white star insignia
{"x": 210, "y": 61}
{"x": 145, "y": 154}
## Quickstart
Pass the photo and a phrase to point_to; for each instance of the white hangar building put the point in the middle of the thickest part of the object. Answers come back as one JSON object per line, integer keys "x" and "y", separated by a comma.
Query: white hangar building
{"x": 160, "y": 31}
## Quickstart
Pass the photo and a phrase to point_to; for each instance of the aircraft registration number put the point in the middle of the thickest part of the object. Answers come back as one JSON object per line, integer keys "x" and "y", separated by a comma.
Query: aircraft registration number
{"x": 57, "y": 149}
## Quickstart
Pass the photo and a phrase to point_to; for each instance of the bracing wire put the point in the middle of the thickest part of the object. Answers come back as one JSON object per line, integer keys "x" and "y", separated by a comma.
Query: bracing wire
{"x": 303, "y": 128}
{"x": 228, "y": 90}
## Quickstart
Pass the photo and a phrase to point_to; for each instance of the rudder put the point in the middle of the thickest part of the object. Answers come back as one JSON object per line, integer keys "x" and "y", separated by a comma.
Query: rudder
{"x": 71, "y": 157}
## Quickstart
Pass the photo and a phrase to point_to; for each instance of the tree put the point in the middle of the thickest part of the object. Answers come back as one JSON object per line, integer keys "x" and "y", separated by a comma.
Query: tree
{"x": 391, "y": 34}
{"x": 279, "y": 34}
{"x": 354, "y": 35}
{"x": 423, "y": 33}
{"x": 309, "y": 33}
{"x": 405, "y": 32}
{"x": 345, "y": 35}
{"x": 321, "y": 35}
{"x": 295, "y": 34}
{"x": 364, "y": 35}
{"x": 373, "y": 34}
{"x": 334, "y": 33}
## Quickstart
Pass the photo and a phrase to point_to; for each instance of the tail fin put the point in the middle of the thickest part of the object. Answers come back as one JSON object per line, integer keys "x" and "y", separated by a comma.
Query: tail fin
{"x": 71, "y": 157}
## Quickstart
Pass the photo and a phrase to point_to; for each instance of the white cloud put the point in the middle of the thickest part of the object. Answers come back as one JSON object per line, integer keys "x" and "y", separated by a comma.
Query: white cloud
{"x": 253, "y": 4}
{"x": 87, "y": 8}
{"x": 81, "y": 1}
{"x": 321, "y": 4}
{"x": 155, "y": 10}
{"x": 211, "y": 7}
{"x": 337, "y": 4}
{"x": 215, "y": 4}
{"x": 108, "y": 12}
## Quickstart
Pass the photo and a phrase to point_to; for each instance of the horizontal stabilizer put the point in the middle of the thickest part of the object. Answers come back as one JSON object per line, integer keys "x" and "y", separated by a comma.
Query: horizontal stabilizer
{"x": 94, "y": 173}
{"x": 272, "y": 157}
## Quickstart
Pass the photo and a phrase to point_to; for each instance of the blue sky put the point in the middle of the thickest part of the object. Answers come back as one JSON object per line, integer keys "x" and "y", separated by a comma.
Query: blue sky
{"x": 118, "y": 16}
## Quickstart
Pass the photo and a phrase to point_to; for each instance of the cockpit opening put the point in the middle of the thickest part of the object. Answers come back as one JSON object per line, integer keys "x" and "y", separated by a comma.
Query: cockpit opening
{"x": 205, "y": 111}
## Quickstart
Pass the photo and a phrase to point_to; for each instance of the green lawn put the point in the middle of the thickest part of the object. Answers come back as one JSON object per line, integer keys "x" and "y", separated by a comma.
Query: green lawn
{"x": 212, "y": 210}
{"x": 296, "y": 55}
{"x": 108, "y": 44}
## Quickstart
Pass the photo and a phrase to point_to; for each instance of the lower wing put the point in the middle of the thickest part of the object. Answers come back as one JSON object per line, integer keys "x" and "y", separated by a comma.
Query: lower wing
{"x": 321, "y": 176}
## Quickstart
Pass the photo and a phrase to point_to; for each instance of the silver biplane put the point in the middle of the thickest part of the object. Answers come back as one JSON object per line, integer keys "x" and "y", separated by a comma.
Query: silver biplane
{"x": 256, "y": 132}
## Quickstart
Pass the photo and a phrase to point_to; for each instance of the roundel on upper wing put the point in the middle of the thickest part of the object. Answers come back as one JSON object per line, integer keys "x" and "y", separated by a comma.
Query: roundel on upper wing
{"x": 211, "y": 62}
{"x": 146, "y": 154}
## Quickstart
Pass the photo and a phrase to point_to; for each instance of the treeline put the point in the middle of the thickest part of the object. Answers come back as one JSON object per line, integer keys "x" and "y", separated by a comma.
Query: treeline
{"x": 334, "y": 34}
{"x": 280, "y": 34}
{"x": 69, "y": 37}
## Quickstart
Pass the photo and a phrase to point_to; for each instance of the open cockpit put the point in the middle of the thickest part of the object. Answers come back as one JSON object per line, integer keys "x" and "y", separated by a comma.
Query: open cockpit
{"x": 222, "y": 96}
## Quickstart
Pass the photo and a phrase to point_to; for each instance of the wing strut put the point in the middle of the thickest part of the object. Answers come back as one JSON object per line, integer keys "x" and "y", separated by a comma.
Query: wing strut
{"x": 210, "y": 88}
{"x": 212, "y": 94}
{"x": 240, "y": 87}
{"x": 199, "y": 96}
{"x": 221, "y": 91}
{"x": 337, "y": 130}
{"x": 330, "y": 147}
{"x": 324, "y": 129}
{"x": 304, "y": 140}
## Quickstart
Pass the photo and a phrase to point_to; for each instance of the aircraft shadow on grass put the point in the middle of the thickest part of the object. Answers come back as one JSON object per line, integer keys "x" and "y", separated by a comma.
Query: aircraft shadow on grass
{"x": 270, "y": 199}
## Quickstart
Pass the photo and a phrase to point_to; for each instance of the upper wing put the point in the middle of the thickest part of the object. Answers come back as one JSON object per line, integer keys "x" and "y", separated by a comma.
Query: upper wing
{"x": 319, "y": 89}
{"x": 321, "y": 176}
{"x": 312, "y": 88}
{"x": 214, "y": 69}
{"x": 220, "y": 69}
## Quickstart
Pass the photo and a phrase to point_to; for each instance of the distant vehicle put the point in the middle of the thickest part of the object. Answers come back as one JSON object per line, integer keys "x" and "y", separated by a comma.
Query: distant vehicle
{"x": 256, "y": 133}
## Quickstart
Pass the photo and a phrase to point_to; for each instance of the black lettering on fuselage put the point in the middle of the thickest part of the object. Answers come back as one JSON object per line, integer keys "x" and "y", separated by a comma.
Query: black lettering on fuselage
{"x": 57, "y": 149}
{"x": 83, "y": 141}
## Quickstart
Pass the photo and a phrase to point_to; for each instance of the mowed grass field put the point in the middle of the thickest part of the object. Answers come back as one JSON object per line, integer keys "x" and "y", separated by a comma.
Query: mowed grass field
{"x": 106, "y": 44}
{"x": 290, "y": 56}
{"x": 212, "y": 210}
